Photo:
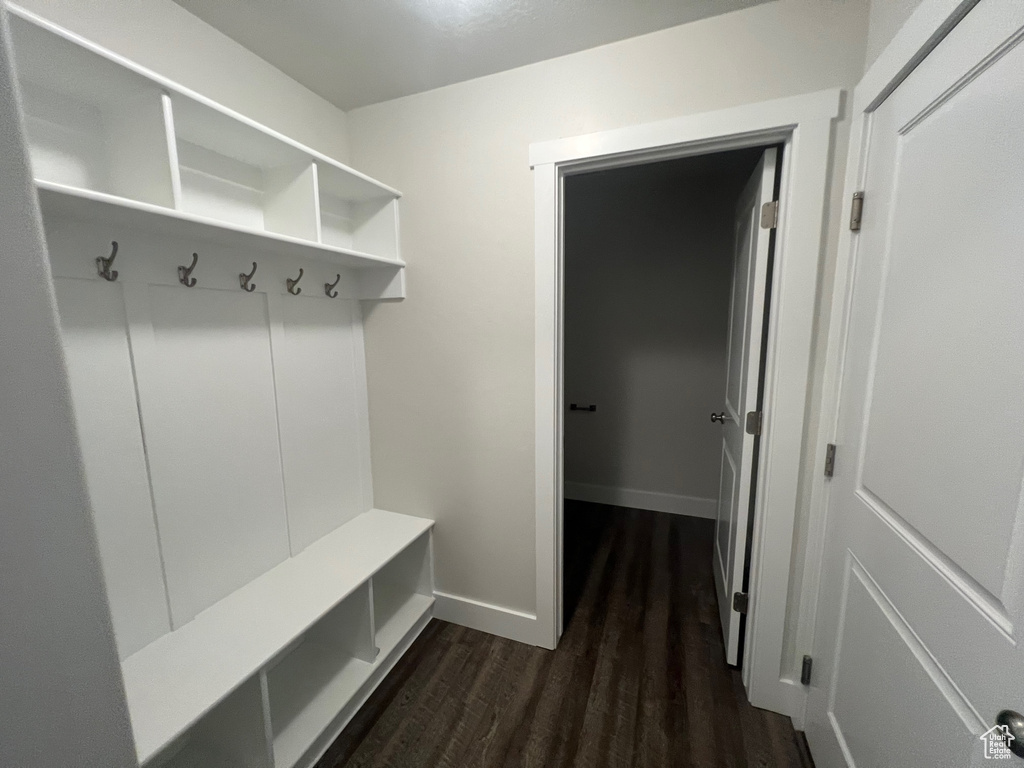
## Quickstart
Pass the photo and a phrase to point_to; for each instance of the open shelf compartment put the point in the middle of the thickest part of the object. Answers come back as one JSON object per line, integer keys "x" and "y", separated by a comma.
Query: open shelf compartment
{"x": 233, "y": 172}
{"x": 356, "y": 215}
{"x": 310, "y": 684}
{"x": 232, "y": 735}
{"x": 91, "y": 124}
{"x": 402, "y": 593}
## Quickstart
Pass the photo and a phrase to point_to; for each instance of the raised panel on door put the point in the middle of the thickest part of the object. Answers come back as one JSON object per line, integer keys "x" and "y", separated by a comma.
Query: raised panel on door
{"x": 95, "y": 337}
{"x": 890, "y": 703}
{"x": 746, "y": 314}
{"x": 206, "y": 388}
{"x": 725, "y": 530}
{"x": 949, "y": 280}
{"x": 320, "y": 406}
{"x": 743, "y": 265}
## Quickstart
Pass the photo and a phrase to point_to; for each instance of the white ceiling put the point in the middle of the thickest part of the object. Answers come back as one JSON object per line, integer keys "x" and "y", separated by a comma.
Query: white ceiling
{"x": 359, "y": 52}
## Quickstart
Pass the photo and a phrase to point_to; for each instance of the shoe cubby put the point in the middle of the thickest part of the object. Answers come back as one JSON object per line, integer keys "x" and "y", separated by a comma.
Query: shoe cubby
{"x": 91, "y": 124}
{"x": 231, "y": 735}
{"x": 315, "y": 678}
{"x": 402, "y": 593}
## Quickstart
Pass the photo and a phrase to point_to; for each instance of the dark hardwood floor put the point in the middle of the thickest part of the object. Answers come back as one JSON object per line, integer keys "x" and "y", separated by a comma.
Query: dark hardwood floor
{"x": 638, "y": 679}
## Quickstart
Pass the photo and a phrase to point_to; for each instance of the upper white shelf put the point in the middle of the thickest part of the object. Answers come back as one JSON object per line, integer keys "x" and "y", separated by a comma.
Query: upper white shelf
{"x": 109, "y": 138}
{"x": 86, "y": 205}
{"x": 174, "y": 681}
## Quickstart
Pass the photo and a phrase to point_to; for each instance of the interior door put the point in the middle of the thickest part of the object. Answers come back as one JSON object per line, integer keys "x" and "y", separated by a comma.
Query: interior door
{"x": 749, "y": 278}
{"x": 921, "y": 613}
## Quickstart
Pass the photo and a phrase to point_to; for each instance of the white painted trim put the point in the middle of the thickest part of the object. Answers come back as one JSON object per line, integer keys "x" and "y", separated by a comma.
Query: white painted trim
{"x": 548, "y": 414}
{"x": 804, "y": 125}
{"x": 735, "y": 121}
{"x": 655, "y": 501}
{"x": 493, "y": 619}
{"x": 929, "y": 23}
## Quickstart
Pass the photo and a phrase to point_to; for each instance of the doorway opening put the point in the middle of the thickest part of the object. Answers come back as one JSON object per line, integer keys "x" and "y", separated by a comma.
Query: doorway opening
{"x": 804, "y": 126}
{"x": 667, "y": 274}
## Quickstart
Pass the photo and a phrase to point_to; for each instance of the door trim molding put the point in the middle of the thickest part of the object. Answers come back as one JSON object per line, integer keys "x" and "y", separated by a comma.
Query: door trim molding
{"x": 930, "y": 22}
{"x": 803, "y": 124}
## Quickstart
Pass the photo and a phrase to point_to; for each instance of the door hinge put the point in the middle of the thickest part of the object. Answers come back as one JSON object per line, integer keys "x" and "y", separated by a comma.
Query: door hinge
{"x": 770, "y": 215}
{"x": 754, "y": 423}
{"x": 805, "y": 671}
{"x": 830, "y": 459}
{"x": 740, "y": 602}
{"x": 856, "y": 211}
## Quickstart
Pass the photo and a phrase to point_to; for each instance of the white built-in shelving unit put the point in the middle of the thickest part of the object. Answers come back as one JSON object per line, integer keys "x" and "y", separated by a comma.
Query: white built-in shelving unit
{"x": 257, "y": 595}
{"x": 111, "y": 141}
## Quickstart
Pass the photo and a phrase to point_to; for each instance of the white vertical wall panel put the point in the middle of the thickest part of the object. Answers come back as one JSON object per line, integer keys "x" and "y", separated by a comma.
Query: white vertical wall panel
{"x": 100, "y": 370}
{"x": 320, "y": 407}
{"x": 205, "y": 373}
{"x": 362, "y": 396}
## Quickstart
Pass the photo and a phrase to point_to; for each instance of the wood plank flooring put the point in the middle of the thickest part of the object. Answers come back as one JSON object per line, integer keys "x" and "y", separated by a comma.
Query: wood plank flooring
{"x": 638, "y": 679}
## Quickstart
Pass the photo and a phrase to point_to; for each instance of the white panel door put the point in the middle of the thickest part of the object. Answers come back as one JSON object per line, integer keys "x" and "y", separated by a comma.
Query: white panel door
{"x": 921, "y": 612}
{"x": 206, "y": 392}
{"x": 750, "y": 271}
{"x": 319, "y": 406}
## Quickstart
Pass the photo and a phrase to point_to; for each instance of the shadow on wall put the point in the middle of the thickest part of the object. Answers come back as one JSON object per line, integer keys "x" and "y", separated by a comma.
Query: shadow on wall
{"x": 648, "y": 270}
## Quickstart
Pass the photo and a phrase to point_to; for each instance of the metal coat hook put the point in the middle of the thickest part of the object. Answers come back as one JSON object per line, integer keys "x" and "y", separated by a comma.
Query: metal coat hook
{"x": 185, "y": 273}
{"x": 103, "y": 266}
{"x": 292, "y": 283}
{"x": 329, "y": 287}
{"x": 244, "y": 279}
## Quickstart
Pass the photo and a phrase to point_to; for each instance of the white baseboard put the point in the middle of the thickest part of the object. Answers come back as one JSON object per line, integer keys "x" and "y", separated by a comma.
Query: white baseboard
{"x": 692, "y": 506}
{"x": 493, "y": 619}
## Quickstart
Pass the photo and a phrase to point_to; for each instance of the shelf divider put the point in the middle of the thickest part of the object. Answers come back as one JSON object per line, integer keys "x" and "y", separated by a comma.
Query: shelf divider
{"x": 172, "y": 150}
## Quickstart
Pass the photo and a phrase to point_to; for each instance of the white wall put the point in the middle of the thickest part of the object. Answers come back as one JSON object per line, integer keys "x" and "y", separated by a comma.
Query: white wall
{"x": 166, "y": 38}
{"x": 62, "y": 701}
{"x": 884, "y": 21}
{"x": 451, "y": 369}
{"x": 648, "y": 262}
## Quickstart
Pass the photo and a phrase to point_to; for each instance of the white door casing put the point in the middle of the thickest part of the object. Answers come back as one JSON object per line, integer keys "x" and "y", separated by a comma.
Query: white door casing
{"x": 804, "y": 125}
{"x": 922, "y": 598}
{"x": 746, "y": 318}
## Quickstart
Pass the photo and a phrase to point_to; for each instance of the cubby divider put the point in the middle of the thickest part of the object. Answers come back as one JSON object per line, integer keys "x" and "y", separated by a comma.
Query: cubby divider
{"x": 402, "y": 593}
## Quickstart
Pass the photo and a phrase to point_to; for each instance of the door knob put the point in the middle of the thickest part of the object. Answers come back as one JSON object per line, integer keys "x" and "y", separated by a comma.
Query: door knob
{"x": 719, "y": 417}
{"x": 1014, "y": 722}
